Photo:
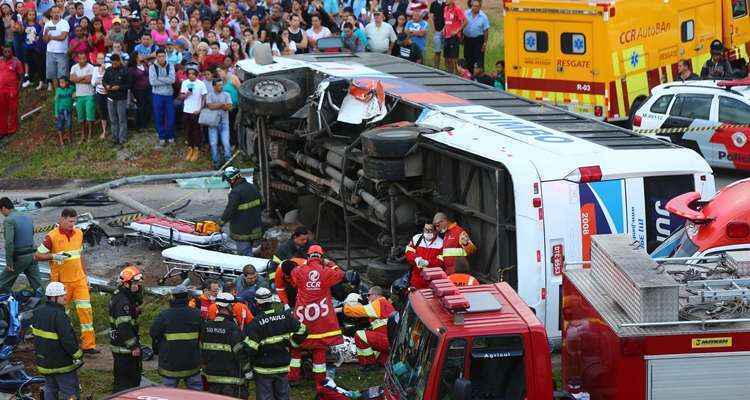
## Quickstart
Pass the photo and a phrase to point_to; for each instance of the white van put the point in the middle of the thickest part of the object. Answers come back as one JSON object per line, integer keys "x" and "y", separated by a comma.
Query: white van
{"x": 530, "y": 182}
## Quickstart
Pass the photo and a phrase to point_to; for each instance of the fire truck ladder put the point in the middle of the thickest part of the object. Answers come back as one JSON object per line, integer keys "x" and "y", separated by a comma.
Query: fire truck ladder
{"x": 707, "y": 291}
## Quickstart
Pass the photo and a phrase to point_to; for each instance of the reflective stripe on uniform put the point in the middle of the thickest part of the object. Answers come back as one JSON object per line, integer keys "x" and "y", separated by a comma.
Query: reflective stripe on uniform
{"x": 42, "y": 249}
{"x": 454, "y": 252}
{"x": 181, "y": 336}
{"x": 216, "y": 347}
{"x": 295, "y": 363}
{"x": 120, "y": 350}
{"x": 178, "y": 374}
{"x": 270, "y": 371}
{"x": 251, "y": 343}
{"x": 370, "y": 310}
{"x": 324, "y": 335}
{"x": 44, "y": 334}
{"x": 276, "y": 259}
{"x": 409, "y": 248}
{"x": 121, "y": 320}
{"x": 378, "y": 323}
{"x": 319, "y": 368}
{"x": 131, "y": 342}
{"x": 366, "y": 352}
{"x": 256, "y": 233}
{"x": 275, "y": 339}
{"x": 229, "y": 380}
{"x": 60, "y": 370}
{"x": 237, "y": 347}
{"x": 82, "y": 303}
{"x": 87, "y": 327}
{"x": 249, "y": 205}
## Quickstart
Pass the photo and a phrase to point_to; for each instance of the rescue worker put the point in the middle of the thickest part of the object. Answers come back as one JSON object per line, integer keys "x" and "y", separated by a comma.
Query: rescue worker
{"x": 63, "y": 248}
{"x": 372, "y": 344}
{"x": 243, "y": 211}
{"x": 460, "y": 279}
{"x": 268, "y": 339}
{"x": 18, "y": 231}
{"x": 283, "y": 280}
{"x": 295, "y": 247}
{"x": 249, "y": 282}
{"x": 314, "y": 308}
{"x": 206, "y": 299}
{"x": 125, "y": 341}
{"x": 456, "y": 242}
{"x": 240, "y": 311}
{"x": 174, "y": 334}
{"x": 423, "y": 251}
{"x": 222, "y": 351}
{"x": 57, "y": 354}
{"x": 717, "y": 67}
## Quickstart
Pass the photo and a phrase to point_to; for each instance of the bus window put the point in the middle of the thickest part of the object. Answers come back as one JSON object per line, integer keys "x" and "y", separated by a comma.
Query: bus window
{"x": 573, "y": 43}
{"x": 687, "y": 30}
{"x": 536, "y": 41}
{"x": 739, "y": 8}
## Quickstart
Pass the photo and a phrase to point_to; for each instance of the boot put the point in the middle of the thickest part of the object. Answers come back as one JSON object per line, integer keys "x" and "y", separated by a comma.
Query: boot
{"x": 196, "y": 154}
{"x": 189, "y": 154}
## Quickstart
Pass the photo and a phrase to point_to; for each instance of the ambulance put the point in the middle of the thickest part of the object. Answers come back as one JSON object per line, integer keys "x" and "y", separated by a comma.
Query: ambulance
{"x": 601, "y": 58}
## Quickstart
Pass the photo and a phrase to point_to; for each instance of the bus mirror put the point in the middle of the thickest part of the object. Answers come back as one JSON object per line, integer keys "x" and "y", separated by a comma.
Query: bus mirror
{"x": 462, "y": 389}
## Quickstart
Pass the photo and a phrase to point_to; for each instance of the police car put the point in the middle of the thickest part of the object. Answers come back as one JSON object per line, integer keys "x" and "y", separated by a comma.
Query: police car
{"x": 710, "y": 117}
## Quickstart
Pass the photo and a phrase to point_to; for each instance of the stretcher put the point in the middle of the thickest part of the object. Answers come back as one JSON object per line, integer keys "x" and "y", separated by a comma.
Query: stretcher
{"x": 183, "y": 260}
{"x": 166, "y": 232}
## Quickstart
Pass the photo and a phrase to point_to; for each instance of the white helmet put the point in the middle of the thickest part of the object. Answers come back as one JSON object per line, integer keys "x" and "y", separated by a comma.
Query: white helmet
{"x": 263, "y": 295}
{"x": 224, "y": 299}
{"x": 55, "y": 289}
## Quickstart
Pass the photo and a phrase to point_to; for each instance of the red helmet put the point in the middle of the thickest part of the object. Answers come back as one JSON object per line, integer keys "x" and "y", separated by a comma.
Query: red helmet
{"x": 130, "y": 274}
{"x": 315, "y": 249}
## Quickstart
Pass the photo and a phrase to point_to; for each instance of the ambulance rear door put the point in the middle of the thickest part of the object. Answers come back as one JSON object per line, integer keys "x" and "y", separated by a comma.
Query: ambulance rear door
{"x": 533, "y": 62}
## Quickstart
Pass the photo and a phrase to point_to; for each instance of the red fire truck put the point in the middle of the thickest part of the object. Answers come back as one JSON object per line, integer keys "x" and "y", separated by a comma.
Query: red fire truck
{"x": 484, "y": 342}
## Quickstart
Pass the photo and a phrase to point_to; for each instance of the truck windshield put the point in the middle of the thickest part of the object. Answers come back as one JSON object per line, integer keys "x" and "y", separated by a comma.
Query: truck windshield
{"x": 497, "y": 368}
{"x": 412, "y": 356}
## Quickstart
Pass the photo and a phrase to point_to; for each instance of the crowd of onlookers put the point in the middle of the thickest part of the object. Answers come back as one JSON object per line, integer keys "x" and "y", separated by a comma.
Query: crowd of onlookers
{"x": 174, "y": 61}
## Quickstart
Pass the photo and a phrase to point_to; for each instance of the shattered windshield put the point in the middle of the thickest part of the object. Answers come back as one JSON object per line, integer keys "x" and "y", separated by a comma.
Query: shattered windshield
{"x": 677, "y": 245}
{"x": 413, "y": 353}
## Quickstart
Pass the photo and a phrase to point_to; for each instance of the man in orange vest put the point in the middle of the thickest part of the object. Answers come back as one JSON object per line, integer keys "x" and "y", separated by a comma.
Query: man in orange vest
{"x": 456, "y": 242}
{"x": 372, "y": 344}
{"x": 207, "y": 298}
{"x": 242, "y": 314}
{"x": 63, "y": 248}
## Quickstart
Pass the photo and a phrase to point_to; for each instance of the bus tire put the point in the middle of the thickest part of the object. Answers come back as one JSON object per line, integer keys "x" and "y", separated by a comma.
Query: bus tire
{"x": 270, "y": 97}
{"x": 384, "y": 169}
{"x": 383, "y": 274}
{"x": 389, "y": 142}
{"x": 637, "y": 104}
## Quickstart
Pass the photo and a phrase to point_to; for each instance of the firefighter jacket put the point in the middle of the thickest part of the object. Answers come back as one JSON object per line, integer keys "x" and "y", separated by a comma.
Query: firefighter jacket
{"x": 243, "y": 212}
{"x": 314, "y": 305}
{"x": 59, "y": 241}
{"x": 456, "y": 243}
{"x": 431, "y": 251}
{"x": 240, "y": 311}
{"x": 268, "y": 339}
{"x": 283, "y": 282}
{"x": 377, "y": 311}
{"x": 222, "y": 351}
{"x": 174, "y": 334}
{"x": 55, "y": 342}
{"x": 123, "y": 321}
{"x": 289, "y": 250}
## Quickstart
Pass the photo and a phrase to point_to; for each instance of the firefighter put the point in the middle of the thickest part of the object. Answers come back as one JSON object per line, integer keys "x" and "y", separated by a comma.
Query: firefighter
{"x": 203, "y": 302}
{"x": 423, "y": 251}
{"x": 240, "y": 311}
{"x": 243, "y": 211}
{"x": 125, "y": 341}
{"x": 63, "y": 248}
{"x": 174, "y": 335}
{"x": 295, "y": 247}
{"x": 18, "y": 231}
{"x": 283, "y": 280}
{"x": 372, "y": 343}
{"x": 460, "y": 279}
{"x": 268, "y": 339}
{"x": 456, "y": 242}
{"x": 314, "y": 308}
{"x": 57, "y": 354}
{"x": 222, "y": 351}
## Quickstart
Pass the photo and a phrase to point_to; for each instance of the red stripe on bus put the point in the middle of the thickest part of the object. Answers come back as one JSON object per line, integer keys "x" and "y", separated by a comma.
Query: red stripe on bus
{"x": 674, "y": 68}
{"x": 614, "y": 107}
{"x": 625, "y": 96}
{"x": 653, "y": 78}
{"x": 555, "y": 85}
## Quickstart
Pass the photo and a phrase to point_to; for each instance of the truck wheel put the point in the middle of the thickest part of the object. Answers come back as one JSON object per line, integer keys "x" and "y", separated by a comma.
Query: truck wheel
{"x": 384, "y": 169}
{"x": 270, "y": 96}
{"x": 389, "y": 142}
{"x": 383, "y": 274}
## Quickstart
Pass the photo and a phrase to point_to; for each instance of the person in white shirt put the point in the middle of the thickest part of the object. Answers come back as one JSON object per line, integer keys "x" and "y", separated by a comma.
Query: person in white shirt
{"x": 193, "y": 92}
{"x": 55, "y": 33}
{"x": 380, "y": 35}
{"x": 315, "y": 32}
{"x": 81, "y": 74}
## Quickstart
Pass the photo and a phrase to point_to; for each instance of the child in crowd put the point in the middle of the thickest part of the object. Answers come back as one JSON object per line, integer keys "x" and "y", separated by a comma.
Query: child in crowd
{"x": 63, "y": 109}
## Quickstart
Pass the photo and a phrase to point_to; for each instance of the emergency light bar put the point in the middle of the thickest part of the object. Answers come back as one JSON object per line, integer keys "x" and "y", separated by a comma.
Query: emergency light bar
{"x": 734, "y": 82}
{"x": 444, "y": 289}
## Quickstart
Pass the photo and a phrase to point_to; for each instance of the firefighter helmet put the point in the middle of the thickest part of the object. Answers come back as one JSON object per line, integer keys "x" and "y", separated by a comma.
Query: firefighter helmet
{"x": 55, "y": 289}
{"x": 263, "y": 295}
{"x": 230, "y": 173}
{"x": 130, "y": 274}
{"x": 224, "y": 299}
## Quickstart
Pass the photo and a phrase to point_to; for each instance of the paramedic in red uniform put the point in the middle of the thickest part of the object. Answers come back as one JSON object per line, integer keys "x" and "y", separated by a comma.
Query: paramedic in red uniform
{"x": 283, "y": 280}
{"x": 11, "y": 72}
{"x": 423, "y": 251}
{"x": 314, "y": 308}
{"x": 372, "y": 343}
{"x": 456, "y": 242}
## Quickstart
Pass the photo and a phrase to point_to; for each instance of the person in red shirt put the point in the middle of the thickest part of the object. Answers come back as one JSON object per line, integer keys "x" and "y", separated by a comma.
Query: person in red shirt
{"x": 455, "y": 21}
{"x": 372, "y": 344}
{"x": 314, "y": 308}
{"x": 457, "y": 244}
{"x": 11, "y": 72}
{"x": 206, "y": 299}
{"x": 283, "y": 280}
{"x": 423, "y": 251}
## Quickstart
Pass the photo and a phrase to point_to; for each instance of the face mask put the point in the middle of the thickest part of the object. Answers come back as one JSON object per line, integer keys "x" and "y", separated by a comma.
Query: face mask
{"x": 428, "y": 236}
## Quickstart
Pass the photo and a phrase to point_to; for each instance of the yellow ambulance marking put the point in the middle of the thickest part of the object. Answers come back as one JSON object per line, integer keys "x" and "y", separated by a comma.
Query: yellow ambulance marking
{"x": 705, "y": 343}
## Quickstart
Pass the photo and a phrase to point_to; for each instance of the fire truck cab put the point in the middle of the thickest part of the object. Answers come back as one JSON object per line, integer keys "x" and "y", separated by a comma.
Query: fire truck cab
{"x": 468, "y": 342}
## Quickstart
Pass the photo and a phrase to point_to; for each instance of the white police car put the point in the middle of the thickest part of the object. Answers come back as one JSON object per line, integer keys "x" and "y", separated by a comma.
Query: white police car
{"x": 710, "y": 117}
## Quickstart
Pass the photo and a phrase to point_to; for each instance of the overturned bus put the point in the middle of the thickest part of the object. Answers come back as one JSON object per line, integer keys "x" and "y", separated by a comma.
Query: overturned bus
{"x": 366, "y": 147}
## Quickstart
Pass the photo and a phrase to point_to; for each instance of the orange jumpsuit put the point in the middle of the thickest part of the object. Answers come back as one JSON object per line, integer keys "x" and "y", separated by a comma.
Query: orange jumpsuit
{"x": 70, "y": 272}
{"x": 242, "y": 314}
{"x": 372, "y": 344}
{"x": 456, "y": 243}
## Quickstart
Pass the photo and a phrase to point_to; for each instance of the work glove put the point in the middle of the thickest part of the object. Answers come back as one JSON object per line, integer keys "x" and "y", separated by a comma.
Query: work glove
{"x": 352, "y": 298}
{"x": 60, "y": 257}
{"x": 421, "y": 262}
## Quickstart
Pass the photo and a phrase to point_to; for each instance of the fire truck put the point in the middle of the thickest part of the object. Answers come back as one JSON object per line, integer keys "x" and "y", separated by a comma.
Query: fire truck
{"x": 551, "y": 54}
{"x": 634, "y": 329}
